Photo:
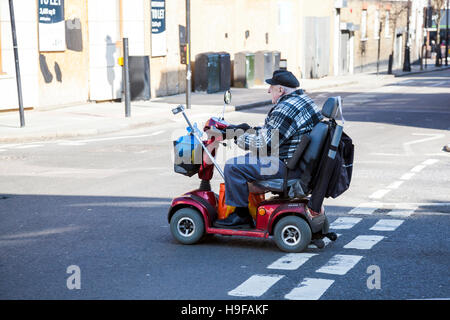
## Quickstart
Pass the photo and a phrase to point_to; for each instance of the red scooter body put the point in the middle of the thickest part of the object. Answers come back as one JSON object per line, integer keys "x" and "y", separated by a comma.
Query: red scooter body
{"x": 268, "y": 213}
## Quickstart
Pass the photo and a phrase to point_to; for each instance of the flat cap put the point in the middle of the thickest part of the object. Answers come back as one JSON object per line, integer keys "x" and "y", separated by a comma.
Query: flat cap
{"x": 283, "y": 78}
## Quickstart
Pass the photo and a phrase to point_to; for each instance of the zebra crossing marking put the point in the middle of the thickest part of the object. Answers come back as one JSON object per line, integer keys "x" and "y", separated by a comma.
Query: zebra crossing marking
{"x": 344, "y": 223}
{"x": 291, "y": 261}
{"x": 256, "y": 285}
{"x": 309, "y": 289}
{"x": 340, "y": 264}
{"x": 387, "y": 225}
{"x": 363, "y": 242}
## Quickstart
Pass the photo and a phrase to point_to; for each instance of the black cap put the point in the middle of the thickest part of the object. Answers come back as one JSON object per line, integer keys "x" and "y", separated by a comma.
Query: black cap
{"x": 283, "y": 78}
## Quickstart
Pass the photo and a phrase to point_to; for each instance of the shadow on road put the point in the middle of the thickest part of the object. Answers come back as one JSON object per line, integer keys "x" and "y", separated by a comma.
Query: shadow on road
{"x": 421, "y": 110}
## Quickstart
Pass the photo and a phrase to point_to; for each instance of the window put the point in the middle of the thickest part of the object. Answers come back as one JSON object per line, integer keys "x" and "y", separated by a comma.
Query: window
{"x": 364, "y": 25}
{"x": 386, "y": 25}
{"x": 376, "y": 25}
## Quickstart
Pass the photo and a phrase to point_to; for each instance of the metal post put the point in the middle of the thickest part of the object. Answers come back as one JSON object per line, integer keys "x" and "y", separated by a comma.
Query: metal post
{"x": 379, "y": 47}
{"x": 16, "y": 58}
{"x": 126, "y": 80}
{"x": 188, "y": 54}
{"x": 406, "y": 62}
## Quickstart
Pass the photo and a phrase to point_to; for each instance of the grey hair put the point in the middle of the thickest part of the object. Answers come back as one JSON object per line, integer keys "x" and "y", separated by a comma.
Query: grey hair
{"x": 288, "y": 90}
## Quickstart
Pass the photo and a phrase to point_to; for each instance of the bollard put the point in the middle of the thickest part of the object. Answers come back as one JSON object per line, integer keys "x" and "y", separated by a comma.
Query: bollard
{"x": 126, "y": 78}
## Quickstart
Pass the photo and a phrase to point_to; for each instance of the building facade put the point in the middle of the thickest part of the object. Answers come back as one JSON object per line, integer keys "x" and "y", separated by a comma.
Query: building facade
{"x": 69, "y": 49}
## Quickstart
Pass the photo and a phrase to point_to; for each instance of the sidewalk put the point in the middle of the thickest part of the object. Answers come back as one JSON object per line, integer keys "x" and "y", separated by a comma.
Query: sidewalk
{"x": 101, "y": 118}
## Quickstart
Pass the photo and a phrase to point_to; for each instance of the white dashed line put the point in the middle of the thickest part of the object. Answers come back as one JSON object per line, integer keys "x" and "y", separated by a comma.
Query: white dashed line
{"x": 387, "y": 225}
{"x": 395, "y": 184}
{"x": 256, "y": 285}
{"x": 309, "y": 289}
{"x": 430, "y": 162}
{"x": 407, "y": 176}
{"x": 363, "y": 242}
{"x": 291, "y": 261}
{"x": 418, "y": 168}
{"x": 340, "y": 264}
{"x": 365, "y": 208}
{"x": 379, "y": 194}
{"x": 344, "y": 223}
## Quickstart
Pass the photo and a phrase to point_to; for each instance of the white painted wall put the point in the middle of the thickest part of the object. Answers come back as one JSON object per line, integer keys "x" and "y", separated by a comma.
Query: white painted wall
{"x": 26, "y": 27}
{"x": 133, "y": 26}
{"x": 105, "y": 75}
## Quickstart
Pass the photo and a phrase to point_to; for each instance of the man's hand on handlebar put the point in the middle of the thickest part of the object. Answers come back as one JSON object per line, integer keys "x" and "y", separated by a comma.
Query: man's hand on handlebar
{"x": 243, "y": 126}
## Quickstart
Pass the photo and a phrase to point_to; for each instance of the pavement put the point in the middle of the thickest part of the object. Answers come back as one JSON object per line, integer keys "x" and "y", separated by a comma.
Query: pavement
{"x": 101, "y": 118}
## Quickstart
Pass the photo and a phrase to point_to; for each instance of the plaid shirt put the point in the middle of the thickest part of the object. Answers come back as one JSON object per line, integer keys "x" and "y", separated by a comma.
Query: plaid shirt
{"x": 294, "y": 114}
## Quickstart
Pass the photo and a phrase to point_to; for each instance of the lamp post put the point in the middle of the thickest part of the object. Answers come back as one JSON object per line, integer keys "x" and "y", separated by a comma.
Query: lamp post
{"x": 188, "y": 54}
{"x": 16, "y": 59}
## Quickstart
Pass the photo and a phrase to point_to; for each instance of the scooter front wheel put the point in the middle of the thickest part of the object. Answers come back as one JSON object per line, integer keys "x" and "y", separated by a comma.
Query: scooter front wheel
{"x": 187, "y": 226}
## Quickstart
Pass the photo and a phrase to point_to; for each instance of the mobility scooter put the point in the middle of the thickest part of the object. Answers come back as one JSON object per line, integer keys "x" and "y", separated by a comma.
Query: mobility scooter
{"x": 285, "y": 216}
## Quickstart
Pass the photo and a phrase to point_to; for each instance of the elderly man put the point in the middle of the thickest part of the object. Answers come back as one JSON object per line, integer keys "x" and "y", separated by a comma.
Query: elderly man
{"x": 293, "y": 115}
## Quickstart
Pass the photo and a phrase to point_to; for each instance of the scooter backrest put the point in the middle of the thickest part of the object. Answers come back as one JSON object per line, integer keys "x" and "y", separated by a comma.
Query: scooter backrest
{"x": 330, "y": 108}
{"x": 311, "y": 158}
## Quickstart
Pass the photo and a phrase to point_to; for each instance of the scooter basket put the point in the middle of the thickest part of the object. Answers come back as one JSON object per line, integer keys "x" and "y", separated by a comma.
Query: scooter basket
{"x": 188, "y": 155}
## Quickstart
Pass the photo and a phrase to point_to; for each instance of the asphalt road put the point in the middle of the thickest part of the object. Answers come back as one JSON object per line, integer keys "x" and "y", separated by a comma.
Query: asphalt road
{"x": 100, "y": 204}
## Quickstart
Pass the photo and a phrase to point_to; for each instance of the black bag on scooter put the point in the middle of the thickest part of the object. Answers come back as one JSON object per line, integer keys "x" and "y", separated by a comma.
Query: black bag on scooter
{"x": 343, "y": 168}
{"x": 334, "y": 174}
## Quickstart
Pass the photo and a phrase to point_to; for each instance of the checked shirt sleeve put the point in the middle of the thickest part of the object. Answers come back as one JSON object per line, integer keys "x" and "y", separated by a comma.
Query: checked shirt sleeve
{"x": 276, "y": 130}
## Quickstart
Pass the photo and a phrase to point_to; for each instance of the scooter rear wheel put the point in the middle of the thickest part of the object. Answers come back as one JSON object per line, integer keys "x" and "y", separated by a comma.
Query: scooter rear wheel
{"x": 292, "y": 234}
{"x": 187, "y": 226}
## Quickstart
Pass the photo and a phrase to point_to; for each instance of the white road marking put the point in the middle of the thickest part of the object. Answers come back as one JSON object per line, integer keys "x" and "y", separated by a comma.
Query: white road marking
{"x": 309, "y": 289}
{"x": 395, "y": 184}
{"x": 71, "y": 143}
{"x": 291, "y": 261}
{"x": 432, "y": 136}
{"x": 379, "y": 194}
{"x": 157, "y": 132}
{"x": 403, "y": 209}
{"x": 437, "y": 84}
{"x": 256, "y": 285}
{"x": 30, "y": 146}
{"x": 120, "y": 138}
{"x": 418, "y": 168}
{"x": 344, "y": 223}
{"x": 430, "y": 162}
{"x": 365, "y": 208}
{"x": 340, "y": 264}
{"x": 363, "y": 242}
{"x": 386, "y": 225}
{"x": 407, "y": 176}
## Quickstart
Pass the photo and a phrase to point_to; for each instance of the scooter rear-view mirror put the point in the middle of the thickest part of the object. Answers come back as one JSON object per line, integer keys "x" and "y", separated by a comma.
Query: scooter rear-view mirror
{"x": 227, "y": 97}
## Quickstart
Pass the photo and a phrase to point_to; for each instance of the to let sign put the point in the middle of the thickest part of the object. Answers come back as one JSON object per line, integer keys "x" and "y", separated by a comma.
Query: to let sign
{"x": 159, "y": 45}
{"x": 52, "y": 34}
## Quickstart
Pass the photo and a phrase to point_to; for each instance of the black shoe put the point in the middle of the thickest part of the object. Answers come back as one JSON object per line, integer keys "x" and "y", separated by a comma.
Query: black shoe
{"x": 234, "y": 220}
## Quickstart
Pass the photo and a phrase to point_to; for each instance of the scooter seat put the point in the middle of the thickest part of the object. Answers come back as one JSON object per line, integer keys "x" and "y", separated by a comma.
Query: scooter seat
{"x": 276, "y": 185}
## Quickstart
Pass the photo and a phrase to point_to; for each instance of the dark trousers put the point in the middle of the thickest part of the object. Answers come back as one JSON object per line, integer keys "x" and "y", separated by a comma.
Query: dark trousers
{"x": 243, "y": 169}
